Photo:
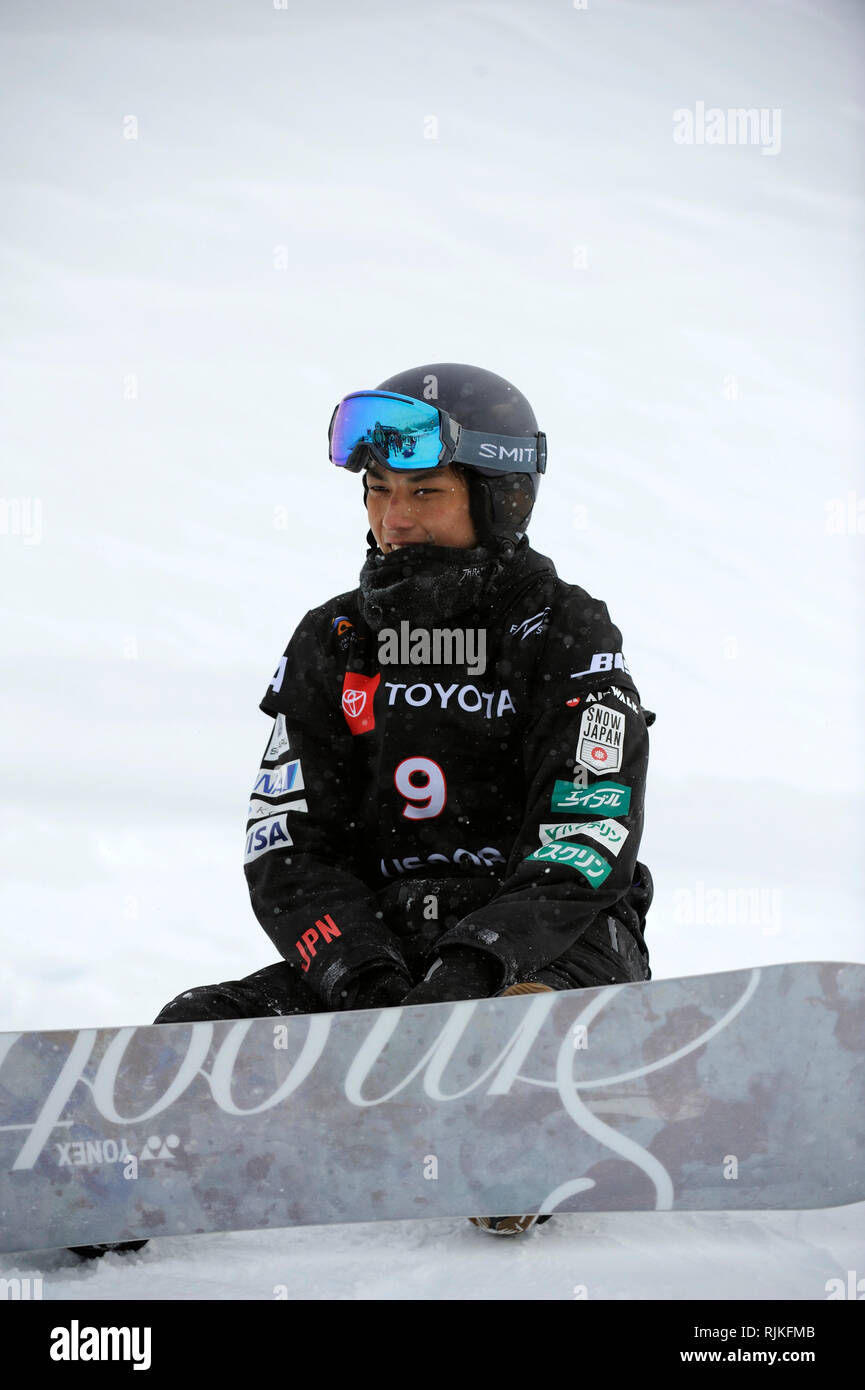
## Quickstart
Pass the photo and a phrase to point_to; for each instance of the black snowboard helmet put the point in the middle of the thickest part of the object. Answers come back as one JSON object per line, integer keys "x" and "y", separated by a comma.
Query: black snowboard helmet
{"x": 500, "y": 502}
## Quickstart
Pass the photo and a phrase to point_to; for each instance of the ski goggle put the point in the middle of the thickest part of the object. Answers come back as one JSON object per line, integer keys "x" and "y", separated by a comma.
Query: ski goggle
{"x": 401, "y": 432}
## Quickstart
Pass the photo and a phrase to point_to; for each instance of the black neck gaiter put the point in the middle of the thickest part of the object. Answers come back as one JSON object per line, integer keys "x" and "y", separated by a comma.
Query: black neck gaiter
{"x": 424, "y": 584}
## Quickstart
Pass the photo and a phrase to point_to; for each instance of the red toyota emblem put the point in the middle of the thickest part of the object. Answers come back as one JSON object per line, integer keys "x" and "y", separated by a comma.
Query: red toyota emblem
{"x": 353, "y": 702}
{"x": 358, "y": 693}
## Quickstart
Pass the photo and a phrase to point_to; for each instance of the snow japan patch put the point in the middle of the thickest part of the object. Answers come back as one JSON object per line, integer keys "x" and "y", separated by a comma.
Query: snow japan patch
{"x": 602, "y": 734}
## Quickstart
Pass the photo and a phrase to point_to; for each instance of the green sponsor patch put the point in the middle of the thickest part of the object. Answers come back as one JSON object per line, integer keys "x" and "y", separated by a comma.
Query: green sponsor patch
{"x": 610, "y": 797}
{"x": 579, "y": 857}
{"x": 607, "y": 833}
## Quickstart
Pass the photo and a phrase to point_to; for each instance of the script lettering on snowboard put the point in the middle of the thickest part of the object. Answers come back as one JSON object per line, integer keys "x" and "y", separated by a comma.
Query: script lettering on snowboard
{"x": 89, "y": 1078}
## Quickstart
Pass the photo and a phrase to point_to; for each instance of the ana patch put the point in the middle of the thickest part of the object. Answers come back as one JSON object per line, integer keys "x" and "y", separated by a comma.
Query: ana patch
{"x": 601, "y": 737}
{"x": 277, "y": 781}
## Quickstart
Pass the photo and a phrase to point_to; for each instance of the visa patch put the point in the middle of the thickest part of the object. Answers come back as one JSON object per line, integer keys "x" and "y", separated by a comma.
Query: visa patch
{"x": 266, "y": 835}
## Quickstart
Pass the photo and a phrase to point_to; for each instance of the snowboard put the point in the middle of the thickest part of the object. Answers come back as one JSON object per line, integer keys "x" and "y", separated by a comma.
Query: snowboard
{"x": 737, "y": 1090}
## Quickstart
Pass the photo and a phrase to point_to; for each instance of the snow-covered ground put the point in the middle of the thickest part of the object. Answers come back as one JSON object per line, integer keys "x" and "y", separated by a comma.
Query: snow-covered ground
{"x": 622, "y": 1256}
{"x": 217, "y": 220}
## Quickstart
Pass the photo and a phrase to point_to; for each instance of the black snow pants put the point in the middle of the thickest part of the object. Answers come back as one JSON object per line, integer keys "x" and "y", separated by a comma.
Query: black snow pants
{"x": 612, "y": 950}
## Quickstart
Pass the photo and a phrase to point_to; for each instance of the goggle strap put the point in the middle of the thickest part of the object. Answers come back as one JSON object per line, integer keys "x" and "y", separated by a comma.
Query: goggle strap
{"x": 505, "y": 453}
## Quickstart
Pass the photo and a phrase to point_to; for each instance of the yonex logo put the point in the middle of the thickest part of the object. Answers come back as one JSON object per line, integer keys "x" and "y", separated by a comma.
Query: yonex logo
{"x": 87, "y": 1153}
{"x": 159, "y": 1148}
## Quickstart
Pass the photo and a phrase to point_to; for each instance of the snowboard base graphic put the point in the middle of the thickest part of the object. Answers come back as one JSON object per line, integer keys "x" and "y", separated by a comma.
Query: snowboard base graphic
{"x": 737, "y": 1090}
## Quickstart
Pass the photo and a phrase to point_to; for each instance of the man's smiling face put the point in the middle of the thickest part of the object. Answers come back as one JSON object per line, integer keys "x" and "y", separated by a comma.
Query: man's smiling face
{"x": 420, "y": 507}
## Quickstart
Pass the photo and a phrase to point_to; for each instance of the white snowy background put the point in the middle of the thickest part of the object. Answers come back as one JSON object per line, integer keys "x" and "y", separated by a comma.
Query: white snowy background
{"x": 217, "y": 219}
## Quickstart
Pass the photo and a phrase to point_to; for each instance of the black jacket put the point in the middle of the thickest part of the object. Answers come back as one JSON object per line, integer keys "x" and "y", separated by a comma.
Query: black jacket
{"x": 402, "y": 807}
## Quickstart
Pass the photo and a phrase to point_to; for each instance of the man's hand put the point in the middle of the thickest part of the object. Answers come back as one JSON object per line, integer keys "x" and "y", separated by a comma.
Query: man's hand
{"x": 460, "y": 973}
{"x": 380, "y": 987}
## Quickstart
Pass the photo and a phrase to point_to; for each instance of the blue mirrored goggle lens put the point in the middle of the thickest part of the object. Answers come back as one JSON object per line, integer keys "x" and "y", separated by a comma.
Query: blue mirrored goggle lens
{"x": 402, "y": 433}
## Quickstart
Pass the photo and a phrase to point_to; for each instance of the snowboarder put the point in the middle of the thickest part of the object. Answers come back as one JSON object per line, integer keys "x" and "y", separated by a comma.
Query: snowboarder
{"x": 424, "y": 830}
{"x": 450, "y": 802}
